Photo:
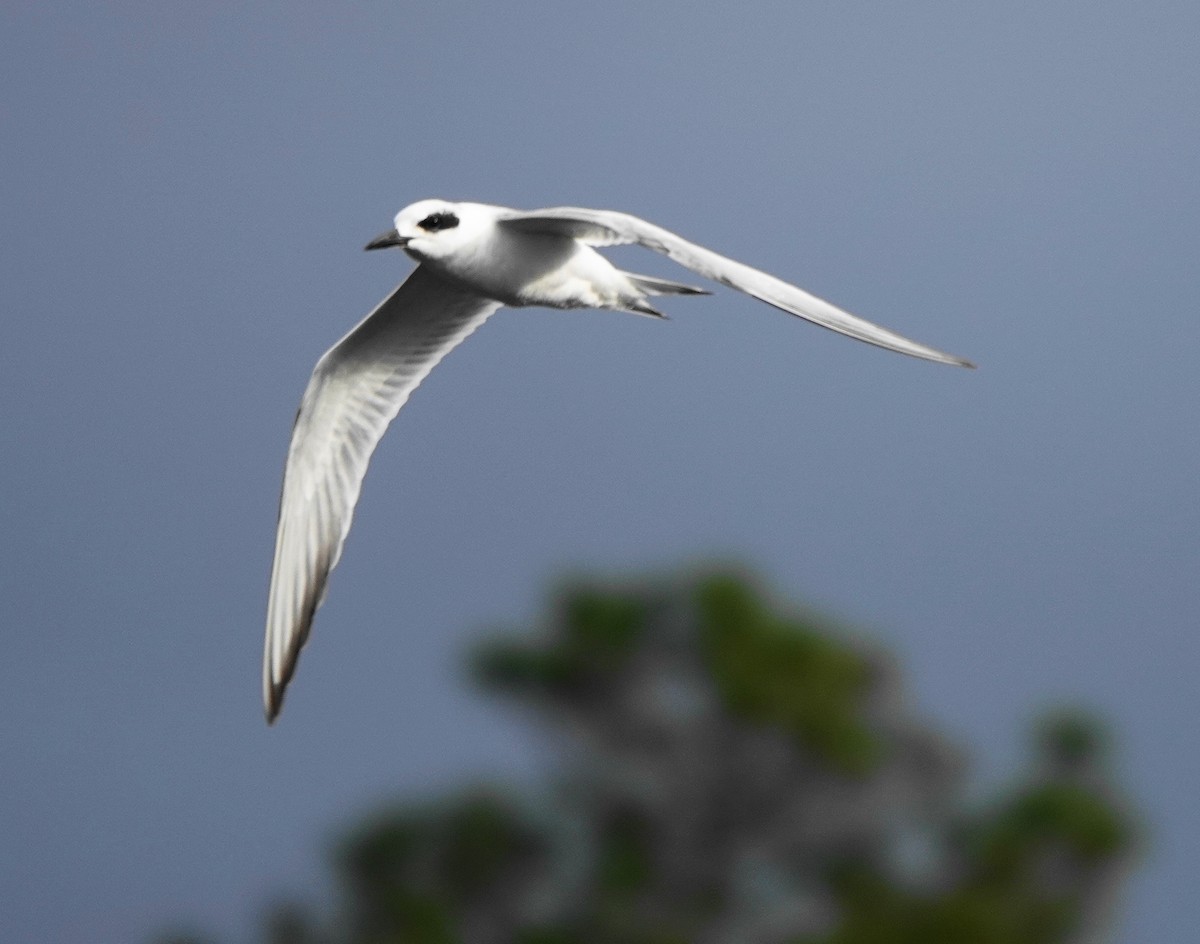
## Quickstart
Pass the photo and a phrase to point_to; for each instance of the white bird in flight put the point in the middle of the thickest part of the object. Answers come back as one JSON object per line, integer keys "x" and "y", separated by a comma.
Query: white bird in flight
{"x": 472, "y": 258}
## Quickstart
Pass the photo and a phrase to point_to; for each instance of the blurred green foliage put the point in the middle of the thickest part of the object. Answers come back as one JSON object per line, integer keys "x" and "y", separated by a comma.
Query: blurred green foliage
{"x": 774, "y": 670}
{"x": 740, "y": 774}
{"x": 596, "y": 632}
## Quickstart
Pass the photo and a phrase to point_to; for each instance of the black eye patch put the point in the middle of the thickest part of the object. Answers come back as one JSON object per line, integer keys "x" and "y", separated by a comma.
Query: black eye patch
{"x": 435, "y": 221}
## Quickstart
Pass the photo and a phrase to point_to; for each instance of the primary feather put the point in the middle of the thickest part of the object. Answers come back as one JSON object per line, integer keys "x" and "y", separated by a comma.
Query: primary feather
{"x": 357, "y": 388}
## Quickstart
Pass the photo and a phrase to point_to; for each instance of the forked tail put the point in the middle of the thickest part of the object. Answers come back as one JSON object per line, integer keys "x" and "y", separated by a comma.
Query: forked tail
{"x": 652, "y": 285}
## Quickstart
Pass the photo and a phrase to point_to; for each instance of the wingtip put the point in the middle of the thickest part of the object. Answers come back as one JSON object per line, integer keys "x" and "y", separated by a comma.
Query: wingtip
{"x": 272, "y": 705}
{"x": 272, "y": 695}
{"x": 271, "y": 710}
{"x": 950, "y": 360}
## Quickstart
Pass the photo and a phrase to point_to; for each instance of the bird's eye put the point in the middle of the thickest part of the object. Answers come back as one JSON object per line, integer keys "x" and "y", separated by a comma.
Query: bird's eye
{"x": 435, "y": 221}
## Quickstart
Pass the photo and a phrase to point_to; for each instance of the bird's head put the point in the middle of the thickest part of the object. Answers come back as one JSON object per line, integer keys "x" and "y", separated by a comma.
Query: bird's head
{"x": 434, "y": 229}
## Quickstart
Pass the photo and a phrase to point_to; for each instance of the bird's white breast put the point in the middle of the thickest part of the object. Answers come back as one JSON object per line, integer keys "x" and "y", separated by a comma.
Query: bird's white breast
{"x": 521, "y": 269}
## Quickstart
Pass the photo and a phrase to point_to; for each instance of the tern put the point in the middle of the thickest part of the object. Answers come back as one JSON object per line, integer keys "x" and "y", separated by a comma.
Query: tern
{"x": 472, "y": 259}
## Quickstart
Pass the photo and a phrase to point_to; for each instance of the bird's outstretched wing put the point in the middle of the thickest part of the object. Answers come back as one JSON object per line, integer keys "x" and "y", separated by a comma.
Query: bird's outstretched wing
{"x": 610, "y": 228}
{"x": 356, "y": 389}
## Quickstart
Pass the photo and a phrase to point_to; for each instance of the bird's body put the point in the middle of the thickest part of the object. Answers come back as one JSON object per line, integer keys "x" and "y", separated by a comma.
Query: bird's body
{"x": 473, "y": 258}
{"x": 522, "y": 268}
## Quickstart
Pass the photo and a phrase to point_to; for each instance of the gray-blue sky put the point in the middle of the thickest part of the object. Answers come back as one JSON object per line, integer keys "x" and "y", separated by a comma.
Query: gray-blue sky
{"x": 186, "y": 190}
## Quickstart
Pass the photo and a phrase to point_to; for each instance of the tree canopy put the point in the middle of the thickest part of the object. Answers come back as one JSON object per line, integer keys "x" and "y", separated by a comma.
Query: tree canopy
{"x": 733, "y": 772}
